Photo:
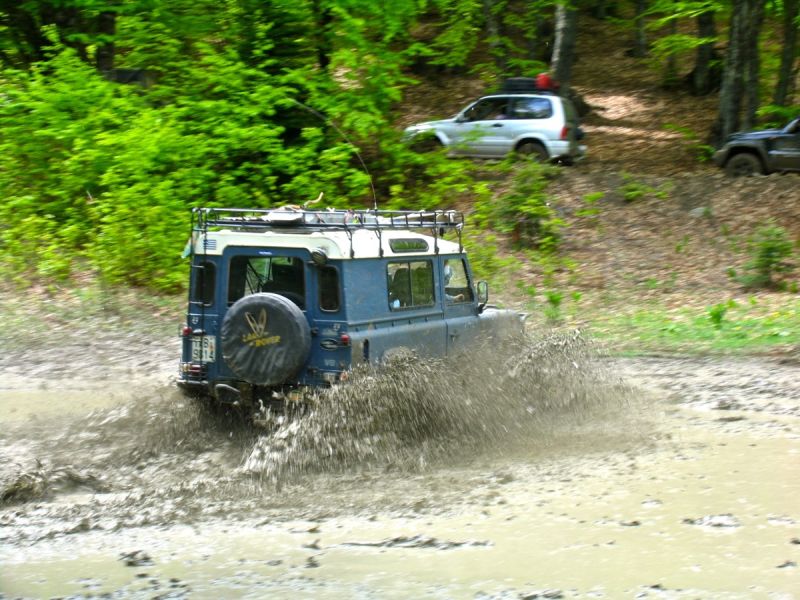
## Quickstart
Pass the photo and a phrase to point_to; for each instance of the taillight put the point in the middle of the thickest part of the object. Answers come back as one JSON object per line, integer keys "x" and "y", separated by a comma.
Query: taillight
{"x": 344, "y": 339}
{"x": 186, "y": 331}
{"x": 565, "y": 132}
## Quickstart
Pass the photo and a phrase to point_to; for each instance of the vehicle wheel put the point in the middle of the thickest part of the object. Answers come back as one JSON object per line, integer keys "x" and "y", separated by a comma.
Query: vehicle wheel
{"x": 744, "y": 165}
{"x": 265, "y": 339}
{"x": 533, "y": 150}
{"x": 426, "y": 143}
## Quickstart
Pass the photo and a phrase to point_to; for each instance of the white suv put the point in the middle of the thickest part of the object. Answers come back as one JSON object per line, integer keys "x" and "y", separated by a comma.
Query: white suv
{"x": 542, "y": 125}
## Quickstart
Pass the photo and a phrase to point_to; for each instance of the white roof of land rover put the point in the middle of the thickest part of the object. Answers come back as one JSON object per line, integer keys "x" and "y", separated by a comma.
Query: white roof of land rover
{"x": 360, "y": 237}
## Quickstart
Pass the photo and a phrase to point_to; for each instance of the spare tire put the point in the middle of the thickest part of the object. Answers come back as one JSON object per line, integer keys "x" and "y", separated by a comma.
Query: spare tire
{"x": 265, "y": 339}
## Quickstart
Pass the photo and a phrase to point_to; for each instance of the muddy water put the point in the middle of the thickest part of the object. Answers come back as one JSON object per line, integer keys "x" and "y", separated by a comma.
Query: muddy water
{"x": 547, "y": 471}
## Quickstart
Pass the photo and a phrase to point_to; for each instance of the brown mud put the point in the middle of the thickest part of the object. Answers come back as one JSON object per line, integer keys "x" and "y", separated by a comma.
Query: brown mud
{"x": 587, "y": 477}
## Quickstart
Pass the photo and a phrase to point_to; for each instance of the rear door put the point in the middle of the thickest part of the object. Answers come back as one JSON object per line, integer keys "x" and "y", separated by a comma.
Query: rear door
{"x": 252, "y": 270}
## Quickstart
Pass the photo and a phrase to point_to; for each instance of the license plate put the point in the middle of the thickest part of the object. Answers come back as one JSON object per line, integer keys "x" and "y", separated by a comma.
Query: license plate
{"x": 204, "y": 349}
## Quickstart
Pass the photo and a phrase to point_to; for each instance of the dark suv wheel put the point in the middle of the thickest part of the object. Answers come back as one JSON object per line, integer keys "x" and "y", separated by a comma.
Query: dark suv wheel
{"x": 744, "y": 165}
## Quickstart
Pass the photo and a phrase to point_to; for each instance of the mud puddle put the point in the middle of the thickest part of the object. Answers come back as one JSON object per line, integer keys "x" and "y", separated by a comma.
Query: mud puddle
{"x": 559, "y": 479}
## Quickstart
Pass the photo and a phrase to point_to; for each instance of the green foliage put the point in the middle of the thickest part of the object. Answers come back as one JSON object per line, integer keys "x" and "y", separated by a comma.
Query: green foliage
{"x": 526, "y": 288}
{"x": 524, "y": 211}
{"x": 769, "y": 249}
{"x": 633, "y": 190}
{"x": 461, "y": 28}
{"x": 590, "y": 201}
{"x": 552, "y": 310}
{"x": 239, "y": 116}
{"x": 774, "y": 116}
{"x": 725, "y": 327}
{"x": 716, "y": 314}
{"x": 700, "y": 150}
{"x": 250, "y": 103}
{"x": 678, "y": 44}
{"x": 485, "y": 259}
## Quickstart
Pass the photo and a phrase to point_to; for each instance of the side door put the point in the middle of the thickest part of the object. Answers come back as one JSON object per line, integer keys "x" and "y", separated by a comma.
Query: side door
{"x": 785, "y": 148}
{"x": 460, "y": 306}
{"x": 481, "y": 129}
{"x": 415, "y": 320}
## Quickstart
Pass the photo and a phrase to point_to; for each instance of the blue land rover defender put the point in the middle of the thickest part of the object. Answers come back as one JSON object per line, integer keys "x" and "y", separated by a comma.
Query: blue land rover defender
{"x": 284, "y": 301}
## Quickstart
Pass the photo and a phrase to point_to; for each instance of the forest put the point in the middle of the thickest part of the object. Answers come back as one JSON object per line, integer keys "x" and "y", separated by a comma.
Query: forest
{"x": 120, "y": 116}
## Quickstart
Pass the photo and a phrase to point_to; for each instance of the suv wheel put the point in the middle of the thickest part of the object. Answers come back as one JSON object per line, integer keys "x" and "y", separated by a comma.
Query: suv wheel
{"x": 426, "y": 143}
{"x": 534, "y": 150}
{"x": 744, "y": 165}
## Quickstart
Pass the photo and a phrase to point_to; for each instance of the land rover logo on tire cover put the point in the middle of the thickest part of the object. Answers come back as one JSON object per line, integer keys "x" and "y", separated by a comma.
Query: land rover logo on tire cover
{"x": 265, "y": 339}
{"x": 258, "y": 335}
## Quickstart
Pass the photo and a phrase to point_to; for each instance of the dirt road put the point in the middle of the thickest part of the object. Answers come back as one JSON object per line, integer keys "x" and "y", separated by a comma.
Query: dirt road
{"x": 650, "y": 477}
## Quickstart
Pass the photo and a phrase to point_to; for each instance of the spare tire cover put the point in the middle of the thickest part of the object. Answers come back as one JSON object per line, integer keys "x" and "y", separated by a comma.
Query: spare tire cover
{"x": 265, "y": 339}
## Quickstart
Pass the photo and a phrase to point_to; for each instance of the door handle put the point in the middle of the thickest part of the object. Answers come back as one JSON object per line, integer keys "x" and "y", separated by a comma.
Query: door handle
{"x": 497, "y": 125}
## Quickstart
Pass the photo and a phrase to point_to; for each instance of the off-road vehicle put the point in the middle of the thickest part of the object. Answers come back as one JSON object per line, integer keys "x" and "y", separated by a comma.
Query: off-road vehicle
{"x": 520, "y": 119}
{"x": 282, "y": 302}
{"x": 761, "y": 152}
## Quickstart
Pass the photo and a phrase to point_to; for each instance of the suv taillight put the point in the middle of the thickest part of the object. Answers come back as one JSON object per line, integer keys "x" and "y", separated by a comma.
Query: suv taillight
{"x": 565, "y": 132}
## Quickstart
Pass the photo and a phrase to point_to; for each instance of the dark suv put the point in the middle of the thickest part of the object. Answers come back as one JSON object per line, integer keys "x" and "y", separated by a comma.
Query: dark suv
{"x": 283, "y": 302}
{"x": 761, "y": 152}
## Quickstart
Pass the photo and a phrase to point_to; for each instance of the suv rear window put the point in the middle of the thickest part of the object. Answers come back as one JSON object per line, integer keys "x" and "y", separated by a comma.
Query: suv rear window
{"x": 531, "y": 108}
{"x": 204, "y": 283}
{"x": 328, "y": 289}
{"x": 277, "y": 274}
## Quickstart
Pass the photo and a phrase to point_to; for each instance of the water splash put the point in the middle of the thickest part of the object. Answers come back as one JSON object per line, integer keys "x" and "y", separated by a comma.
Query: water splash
{"x": 414, "y": 413}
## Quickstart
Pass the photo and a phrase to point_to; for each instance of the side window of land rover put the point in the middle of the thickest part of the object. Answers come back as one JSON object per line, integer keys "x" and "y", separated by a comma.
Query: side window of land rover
{"x": 410, "y": 284}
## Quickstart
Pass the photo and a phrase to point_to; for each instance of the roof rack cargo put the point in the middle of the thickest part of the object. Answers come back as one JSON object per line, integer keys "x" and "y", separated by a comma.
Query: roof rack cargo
{"x": 523, "y": 85}
{"x": 301, "y": 220}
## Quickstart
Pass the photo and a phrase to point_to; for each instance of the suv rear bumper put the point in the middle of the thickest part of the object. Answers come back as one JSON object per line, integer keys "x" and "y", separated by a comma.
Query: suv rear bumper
{"x": 565, "y": 150}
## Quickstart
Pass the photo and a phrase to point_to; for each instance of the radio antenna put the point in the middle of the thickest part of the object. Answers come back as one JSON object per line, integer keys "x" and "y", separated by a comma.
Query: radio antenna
{"x": 347, "y": 139}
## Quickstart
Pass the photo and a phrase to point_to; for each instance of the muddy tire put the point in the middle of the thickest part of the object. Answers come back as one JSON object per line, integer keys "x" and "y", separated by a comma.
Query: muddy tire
{"x": 533, "y": 150}
{"x": 265, "y": 339}
{"x": 426, "y": 142}
{"x": 744, "y": 165}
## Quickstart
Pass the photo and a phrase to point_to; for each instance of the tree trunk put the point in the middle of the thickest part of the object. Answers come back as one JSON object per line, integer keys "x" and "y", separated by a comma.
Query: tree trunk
{"x": 24, "y": 32}
{"x": 69, "y": 25}
{"x": 671, "y": 78}
{"x": 106, "y": 27}
{"x": 493, "y": 35}
{"x": 640, "y": 32}
{"x": 322, "y": 36}
{"x": 753, "y": 64}
{"x": 704, "y": 78}
{"x": 740, "y": 67}
{"x": 564, "y": 46}
{"x": 787, "y": 73}
{"x": 602, "y": 9}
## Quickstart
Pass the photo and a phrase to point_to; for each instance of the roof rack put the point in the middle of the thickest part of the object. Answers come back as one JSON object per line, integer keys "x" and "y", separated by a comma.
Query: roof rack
{"x": 304, "y": 220}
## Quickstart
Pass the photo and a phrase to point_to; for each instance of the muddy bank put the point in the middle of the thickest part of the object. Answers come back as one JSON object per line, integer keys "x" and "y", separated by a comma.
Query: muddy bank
{"x": 685, "y": 486}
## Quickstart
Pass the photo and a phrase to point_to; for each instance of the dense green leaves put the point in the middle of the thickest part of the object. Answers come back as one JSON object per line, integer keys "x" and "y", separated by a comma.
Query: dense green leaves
{"x": 118, "y": 117}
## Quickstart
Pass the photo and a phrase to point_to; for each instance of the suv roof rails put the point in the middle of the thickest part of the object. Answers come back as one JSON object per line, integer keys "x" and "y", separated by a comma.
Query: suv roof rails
{"x": 524, "y": 85}
{"x": 316, "y": 220}
{"x": 302, "y": 220}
